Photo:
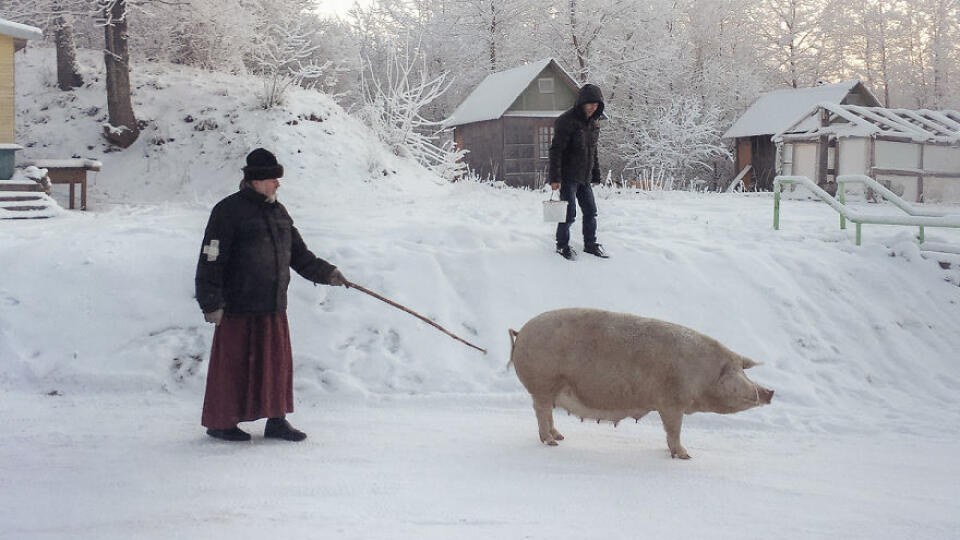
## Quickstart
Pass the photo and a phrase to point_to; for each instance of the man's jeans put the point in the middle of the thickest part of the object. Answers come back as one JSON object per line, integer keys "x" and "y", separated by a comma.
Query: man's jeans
{"x": 583, "y": 194}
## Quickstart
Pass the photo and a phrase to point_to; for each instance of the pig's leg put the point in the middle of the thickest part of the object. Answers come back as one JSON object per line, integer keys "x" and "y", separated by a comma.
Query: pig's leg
{"x": 543, "y": 406}
{"x": 672, "y": 421}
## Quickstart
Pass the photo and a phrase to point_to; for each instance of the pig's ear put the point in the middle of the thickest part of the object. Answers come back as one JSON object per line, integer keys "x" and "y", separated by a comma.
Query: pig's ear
{"x": 748, "y": 363}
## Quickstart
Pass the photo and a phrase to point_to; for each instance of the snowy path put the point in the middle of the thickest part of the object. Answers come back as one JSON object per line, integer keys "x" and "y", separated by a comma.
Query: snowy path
{"x": 138, "y": 466}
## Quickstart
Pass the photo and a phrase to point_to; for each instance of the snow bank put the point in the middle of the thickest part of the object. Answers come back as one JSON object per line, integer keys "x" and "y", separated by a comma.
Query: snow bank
{"x": 101, "y": 302}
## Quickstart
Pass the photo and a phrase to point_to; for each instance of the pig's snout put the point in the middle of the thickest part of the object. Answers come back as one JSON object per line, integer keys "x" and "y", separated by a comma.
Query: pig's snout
{"x": 764, "y": 395}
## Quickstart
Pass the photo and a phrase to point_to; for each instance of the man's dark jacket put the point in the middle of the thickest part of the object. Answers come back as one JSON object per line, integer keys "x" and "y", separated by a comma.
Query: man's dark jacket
{"x": 249, "y": 247}
{"x": 573, "y": 152}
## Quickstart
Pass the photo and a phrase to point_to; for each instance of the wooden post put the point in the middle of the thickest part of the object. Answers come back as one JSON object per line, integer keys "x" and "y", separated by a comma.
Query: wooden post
{"x": 920, "y": 180}
{"x": 836, "y": 159}
{"x": 7, "y": 90}
{"x": 823, "y": 147}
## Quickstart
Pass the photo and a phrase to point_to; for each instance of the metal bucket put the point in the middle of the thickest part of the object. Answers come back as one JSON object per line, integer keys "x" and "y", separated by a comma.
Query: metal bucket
{"x": 554, "y": 211}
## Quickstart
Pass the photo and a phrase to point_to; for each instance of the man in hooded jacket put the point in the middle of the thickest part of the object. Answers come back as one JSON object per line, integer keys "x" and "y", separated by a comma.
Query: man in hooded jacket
{"x": 574, "y": 166}
{"x": 249, "y": 246}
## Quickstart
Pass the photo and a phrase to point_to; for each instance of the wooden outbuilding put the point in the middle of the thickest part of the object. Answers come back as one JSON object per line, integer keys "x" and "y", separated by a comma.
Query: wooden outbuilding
{"x": 13, "y": 37}
{"x": 915, "y": 153}
{"x": 506, "y": 123}
{"x": 773, "y": 112}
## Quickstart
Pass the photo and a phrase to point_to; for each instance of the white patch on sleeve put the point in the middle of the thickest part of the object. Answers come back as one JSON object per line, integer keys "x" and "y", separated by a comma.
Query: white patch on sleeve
{"x": 212, "y": 250}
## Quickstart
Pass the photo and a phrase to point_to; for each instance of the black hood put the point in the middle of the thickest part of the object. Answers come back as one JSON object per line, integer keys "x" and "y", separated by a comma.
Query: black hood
{"x": 590, "y": 93}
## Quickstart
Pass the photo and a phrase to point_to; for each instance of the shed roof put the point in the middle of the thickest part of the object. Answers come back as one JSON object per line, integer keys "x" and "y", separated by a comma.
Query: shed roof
{"x": 494, "y": 95}
{"x": 21, "y": 31}
{"x": 921, "y": 125}
{"x": 773, "y": 111}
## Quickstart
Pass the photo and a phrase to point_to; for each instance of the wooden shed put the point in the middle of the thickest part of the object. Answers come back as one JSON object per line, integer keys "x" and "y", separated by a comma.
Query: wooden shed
{"x": 774, "y": 111}
{"x": 506, "y": 123}
{"x": 915, "y": 153}
{"x": 13, "y": 37}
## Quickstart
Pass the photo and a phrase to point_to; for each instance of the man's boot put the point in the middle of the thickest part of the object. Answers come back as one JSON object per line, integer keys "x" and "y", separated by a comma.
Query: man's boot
{"x": 279, "y": 428}
{"x": 596, "y": 249}
{"x": 567, "y": 253}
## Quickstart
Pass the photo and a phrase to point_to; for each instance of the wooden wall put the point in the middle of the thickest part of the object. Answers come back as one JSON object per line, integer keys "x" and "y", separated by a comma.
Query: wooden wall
{"x": 484, "y": 140}
{"x": 519, "y": 151}
{"x": 7, "y": 107}
{"x": 524, "y": 161}
{"x": 512, "y": 150}
{"x": 532, "y": 99}
{"x": 744, "y": 157}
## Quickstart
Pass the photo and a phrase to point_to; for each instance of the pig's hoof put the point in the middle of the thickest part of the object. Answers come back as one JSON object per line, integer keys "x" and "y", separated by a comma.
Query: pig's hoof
{"x": 556, "y": 434}
{"x": 548, "y": 439}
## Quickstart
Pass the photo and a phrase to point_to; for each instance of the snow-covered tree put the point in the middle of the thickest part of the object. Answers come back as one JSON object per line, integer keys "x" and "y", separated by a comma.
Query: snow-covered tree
{"x": 575, "y": 28}
{"x": 790, "y": 33}
{"x": 209, "y": 34}
{"x": 56, "y": 17}
{"x": 679, "y": 141}
{"x": 68, "y": 72}
{"x": 940, "y": 31}
{"x": 497, "y": 27}
{"x": 393, "y": 103}
{"x": 122, "y": 128}
{"x": 283, "y": 51}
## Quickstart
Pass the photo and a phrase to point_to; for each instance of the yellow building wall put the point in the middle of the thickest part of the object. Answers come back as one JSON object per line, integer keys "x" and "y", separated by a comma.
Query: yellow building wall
{"x": 7, "y": 108}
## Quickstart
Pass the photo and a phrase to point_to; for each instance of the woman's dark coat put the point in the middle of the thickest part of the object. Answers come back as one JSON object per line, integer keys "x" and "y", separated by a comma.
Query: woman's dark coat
{"x": 249, "y": 246}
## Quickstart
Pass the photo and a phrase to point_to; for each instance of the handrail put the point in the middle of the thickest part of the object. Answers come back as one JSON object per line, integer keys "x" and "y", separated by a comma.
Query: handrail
{"x": 950, "y": 220}
{"x": 886, "y": 194}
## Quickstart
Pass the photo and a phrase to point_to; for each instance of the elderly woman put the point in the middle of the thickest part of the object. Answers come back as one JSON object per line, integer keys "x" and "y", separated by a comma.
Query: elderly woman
{"x": 249, "y": 246}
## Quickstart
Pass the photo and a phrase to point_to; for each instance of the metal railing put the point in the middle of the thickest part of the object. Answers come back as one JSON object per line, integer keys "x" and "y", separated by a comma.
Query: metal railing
{"x": 882, "y": 190}
{"x": 920, "y": 218}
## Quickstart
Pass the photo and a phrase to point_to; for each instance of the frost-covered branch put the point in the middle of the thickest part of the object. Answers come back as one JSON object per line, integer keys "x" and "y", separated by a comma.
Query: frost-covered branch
{"x": 394, "y": 97}
{"x": 680, "y": 138}
{"x": 283, "y": 50}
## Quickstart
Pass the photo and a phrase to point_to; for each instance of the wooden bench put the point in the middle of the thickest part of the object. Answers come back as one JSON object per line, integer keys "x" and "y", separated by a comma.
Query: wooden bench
{"x": 69, "y": 171}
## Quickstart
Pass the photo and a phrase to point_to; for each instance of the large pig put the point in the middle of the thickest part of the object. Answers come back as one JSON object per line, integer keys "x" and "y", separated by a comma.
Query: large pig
{"x": 610, "y": 366}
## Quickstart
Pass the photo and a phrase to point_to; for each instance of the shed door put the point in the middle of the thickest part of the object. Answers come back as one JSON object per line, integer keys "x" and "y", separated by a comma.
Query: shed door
{"x": 544, "y": 140}
{"x": 744, "y": 158}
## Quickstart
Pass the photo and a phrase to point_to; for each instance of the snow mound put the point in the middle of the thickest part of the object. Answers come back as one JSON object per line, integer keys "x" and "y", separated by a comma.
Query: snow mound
{"x": 197, "y": 127}
{"x": 101, "y": 302}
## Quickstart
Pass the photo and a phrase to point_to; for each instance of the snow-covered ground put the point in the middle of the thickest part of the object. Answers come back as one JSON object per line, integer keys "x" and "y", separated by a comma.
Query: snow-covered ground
{"x": 413, "y": 435}
{"x": 465, "y": 467}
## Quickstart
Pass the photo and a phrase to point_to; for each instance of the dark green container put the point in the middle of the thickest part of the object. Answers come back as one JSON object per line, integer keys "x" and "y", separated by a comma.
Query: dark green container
{"x": 7, "y": 159}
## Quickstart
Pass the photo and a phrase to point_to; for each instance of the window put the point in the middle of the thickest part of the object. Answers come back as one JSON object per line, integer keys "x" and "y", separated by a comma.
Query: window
{"x": 545, "y": 85}
{"x": 544, "y": 138}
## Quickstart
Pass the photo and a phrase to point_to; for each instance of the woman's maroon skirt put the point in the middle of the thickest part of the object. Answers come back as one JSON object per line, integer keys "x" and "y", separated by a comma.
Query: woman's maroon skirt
{"x": 251, "y": 371}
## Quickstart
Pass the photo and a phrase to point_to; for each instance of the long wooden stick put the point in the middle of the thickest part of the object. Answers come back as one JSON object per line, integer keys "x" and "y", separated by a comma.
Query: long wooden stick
{"x": 415, "y": 314}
